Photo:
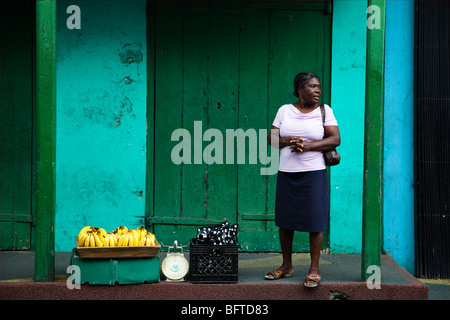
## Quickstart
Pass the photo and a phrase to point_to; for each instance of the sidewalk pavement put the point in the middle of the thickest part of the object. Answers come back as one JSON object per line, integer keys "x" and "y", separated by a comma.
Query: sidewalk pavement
{"x": 341, "y": 279}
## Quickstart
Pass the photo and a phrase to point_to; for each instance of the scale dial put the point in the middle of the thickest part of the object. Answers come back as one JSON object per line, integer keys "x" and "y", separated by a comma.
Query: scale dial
{"x": 175, "y": 267}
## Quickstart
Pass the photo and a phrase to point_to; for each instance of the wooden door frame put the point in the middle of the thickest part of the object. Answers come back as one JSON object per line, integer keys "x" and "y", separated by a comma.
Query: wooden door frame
{"x": 45, "y": 140}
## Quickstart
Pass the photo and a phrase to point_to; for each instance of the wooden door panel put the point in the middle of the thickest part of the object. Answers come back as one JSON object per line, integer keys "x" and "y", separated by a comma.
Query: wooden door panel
{"x": 225, "y": 66}
{"x": 16, "y": 124}
{"x": 277, "y": 44}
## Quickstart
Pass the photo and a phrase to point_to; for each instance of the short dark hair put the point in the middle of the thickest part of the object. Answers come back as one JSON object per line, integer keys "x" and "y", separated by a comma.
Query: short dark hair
{"x": 301, "y": 79}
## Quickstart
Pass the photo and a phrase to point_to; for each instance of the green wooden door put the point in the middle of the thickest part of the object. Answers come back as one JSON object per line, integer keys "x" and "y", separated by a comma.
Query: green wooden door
{"x": 219, "y": 67}
{"x": 16, "y": 119}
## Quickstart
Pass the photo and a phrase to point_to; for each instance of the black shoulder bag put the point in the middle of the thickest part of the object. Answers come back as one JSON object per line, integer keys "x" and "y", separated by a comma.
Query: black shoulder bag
{"x": 332, "y": 157}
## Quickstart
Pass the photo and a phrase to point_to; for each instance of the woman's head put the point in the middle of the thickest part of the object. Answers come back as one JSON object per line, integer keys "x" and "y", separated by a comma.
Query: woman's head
{"x": 301, "y": 80}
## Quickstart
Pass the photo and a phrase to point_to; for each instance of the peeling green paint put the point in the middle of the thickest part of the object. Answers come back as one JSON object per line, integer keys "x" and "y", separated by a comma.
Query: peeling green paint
{"x": 101, "y": 118}
{"x": 131, "y": 54}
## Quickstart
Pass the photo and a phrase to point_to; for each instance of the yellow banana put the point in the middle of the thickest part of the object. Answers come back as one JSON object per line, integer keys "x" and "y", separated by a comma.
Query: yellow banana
{"x": 123, "y": 240}
{"x": 147, "y": 240}
{"x": 115, "y": 234}
{"x": 86, "y": 241}
{"x": 120, "y": 240}
{"x": 141, "y": 231}
{"x": 102, "y": 238}
{"x": 91, "y": 241}
{"x": 127, "y": 240}
{"x": 132, "y": 235}
{"x": 121, "y": 230}
{"x": 109, "y": 240}
{"x": 86, "y": 228}
{"x": 130, "y": 240}
{"x": 82, "y": 238}
{"x": 98, "y": 242}
{"x": 136, "y": 241}
{"x": 113, "y": 241}
{"x": 94, "y": 229}
{"x": 133, "y": 240}
{"x": 103, "y": 231}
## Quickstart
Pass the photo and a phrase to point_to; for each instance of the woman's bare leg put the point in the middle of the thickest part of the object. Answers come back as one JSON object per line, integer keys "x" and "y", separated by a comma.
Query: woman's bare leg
{"x": 315, "y": 244}
{"x": 286, "y": 238}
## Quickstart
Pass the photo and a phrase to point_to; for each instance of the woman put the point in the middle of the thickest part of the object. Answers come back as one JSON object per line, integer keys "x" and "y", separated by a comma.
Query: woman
{"x": 302, "y": 194}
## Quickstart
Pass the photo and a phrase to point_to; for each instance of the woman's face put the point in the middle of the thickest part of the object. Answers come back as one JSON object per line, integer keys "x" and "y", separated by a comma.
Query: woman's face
{"x": 311, "y": 92}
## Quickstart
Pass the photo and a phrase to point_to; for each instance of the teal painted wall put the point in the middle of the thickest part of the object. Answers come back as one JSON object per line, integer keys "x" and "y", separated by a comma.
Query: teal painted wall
{"x": 398, "y": 178}
{"x": 348, "y": 64}
{"x": 101, "y": 117}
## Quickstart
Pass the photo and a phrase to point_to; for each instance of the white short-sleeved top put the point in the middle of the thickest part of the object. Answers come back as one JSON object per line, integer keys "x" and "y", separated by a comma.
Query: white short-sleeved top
{"x": 293, "y": 122}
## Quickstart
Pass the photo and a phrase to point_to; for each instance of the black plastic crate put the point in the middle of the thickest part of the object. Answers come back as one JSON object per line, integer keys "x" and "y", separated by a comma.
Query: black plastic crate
{"x": 211, "y": 263}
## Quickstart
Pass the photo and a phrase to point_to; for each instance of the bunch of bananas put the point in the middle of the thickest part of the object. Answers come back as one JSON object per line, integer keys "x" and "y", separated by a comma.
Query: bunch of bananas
{"x": 128, "y": 239}
{"x": 141, "y": 232}
{"x": 120, "y": 230}
{"x": 148, "y": 240}
{"x": 120, "y": 237}
{"x": 91, "y": 237}
{"x": 110, "y": 240}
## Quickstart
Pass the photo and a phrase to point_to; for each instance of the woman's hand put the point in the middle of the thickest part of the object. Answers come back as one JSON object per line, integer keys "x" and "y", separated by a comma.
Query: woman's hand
{"x": 332, "y": 139}
{"x": 278, "y": 142}
{"x": 296, "y": 144}
{"x": 299, "y": 144}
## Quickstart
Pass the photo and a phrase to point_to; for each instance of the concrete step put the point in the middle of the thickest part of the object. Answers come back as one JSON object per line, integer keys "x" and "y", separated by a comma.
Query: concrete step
{"x": 341, "y": 279}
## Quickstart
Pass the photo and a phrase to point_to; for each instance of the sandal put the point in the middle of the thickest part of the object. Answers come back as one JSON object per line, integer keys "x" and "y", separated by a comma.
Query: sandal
{"x": 277, "y": 274}
{"x": 315, "y": 279}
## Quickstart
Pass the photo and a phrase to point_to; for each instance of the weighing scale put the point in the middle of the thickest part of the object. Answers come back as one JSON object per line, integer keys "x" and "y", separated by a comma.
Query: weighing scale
{"x": 175, "y": 266}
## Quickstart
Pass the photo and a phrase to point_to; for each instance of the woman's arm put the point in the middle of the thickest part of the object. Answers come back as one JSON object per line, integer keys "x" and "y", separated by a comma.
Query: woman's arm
{"x": 276, "y": 141}
{"x": 331, "y": 140}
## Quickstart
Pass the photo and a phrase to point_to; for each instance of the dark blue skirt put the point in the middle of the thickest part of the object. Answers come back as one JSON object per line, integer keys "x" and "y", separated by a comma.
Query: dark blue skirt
{"x": 302, "y": 201}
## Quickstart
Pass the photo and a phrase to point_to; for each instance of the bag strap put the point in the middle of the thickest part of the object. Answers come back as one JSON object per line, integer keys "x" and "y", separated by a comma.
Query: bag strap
{"x": 322, "y": 111}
